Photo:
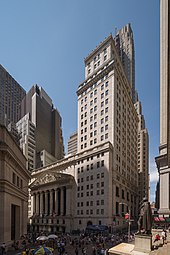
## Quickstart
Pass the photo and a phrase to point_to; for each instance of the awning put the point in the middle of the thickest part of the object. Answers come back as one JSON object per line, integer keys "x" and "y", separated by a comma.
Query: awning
{"x": 156, "y": 219}
{"x": 161, "y": 219}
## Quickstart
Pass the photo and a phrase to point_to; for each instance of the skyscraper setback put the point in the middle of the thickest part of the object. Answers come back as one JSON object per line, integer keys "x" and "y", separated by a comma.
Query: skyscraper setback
{"x": 125, "y": 46}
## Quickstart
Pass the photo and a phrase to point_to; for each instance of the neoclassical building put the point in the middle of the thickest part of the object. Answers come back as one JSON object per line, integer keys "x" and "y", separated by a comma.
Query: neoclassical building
{"x": 53, "y": 202}
{"x": 14, "y": 179}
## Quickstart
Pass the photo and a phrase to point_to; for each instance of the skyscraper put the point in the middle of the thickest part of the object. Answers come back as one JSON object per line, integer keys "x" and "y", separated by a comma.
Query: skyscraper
{"x": 143, "y": 154}
{"x": 163, "y": 160}
{"x": 107, "y": 129}
{"x": 11, "y": 95}
{"x": 125, "y": 46}
{"x": 47, "y": 122}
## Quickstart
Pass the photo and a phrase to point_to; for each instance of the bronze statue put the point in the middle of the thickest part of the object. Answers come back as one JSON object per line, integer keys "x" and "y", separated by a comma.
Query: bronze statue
{"x": 145, "y": 217}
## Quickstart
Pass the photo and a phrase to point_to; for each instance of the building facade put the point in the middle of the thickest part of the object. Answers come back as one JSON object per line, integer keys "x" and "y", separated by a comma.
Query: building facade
{"x": 26, "y": 133}
{"x": 124, "y": 43}
{"x": 163, "y": 160}
{"x": 47, "y": 122}
{"x": 11, "y": 95}
{"x": 72, "y": 144}
{"x": 13, "y": 189}
{"x": 143, "y": 155}
{"x": 104, "y": 168}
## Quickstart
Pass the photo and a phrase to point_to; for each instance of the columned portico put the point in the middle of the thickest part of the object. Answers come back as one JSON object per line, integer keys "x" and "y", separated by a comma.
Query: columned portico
{"x": 52, "y": 204}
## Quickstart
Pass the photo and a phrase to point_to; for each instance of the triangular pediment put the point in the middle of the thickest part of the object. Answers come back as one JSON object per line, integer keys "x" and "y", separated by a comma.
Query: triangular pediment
{"x": 46, "y": 178}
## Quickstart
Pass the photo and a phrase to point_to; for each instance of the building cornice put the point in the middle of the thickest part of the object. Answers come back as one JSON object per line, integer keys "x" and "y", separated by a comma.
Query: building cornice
{"x": 106, "y": 40}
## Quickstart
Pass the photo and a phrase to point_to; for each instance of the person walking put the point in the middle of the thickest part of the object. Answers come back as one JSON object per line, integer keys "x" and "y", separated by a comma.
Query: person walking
{"x": 3, "y": 247}
{"x": 163, "y": 235}
{"x": 76, "y": 251}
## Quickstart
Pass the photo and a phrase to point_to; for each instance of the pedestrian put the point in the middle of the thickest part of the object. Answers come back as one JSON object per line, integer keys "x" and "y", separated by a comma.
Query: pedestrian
{"x": 163, "y": 235}
{"x": 157, "y": 238}
{"x": 3, "y": 247}
{"x": 76, "y": 251}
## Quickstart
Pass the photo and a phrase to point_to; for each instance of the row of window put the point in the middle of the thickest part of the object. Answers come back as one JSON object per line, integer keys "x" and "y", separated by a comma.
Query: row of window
{"x": 91, "y": 186}
{"x": 123, "y": 194}
{"x": 91, "y": 211}
{"x": 91, "y": 193}
{"x": 90, "y": 167}
{"x": 90, "y": 203}
{"x": 95, "y": 140}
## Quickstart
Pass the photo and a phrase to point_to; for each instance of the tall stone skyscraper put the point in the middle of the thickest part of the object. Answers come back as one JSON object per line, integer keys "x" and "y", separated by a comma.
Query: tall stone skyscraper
{"x": 11, "y": 95}
{"x": 125, "y": 46}
{"x": 107, "y": 138}
{"x": 163, "y": 160}
{"x": 143, "y": 154}
{"x": 47, "y": 122}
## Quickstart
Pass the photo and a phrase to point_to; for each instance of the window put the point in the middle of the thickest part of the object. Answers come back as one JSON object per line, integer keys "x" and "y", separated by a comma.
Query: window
{"x": 13, "y": 178}
{"x": 102, "y": 86}
{"x": 102, "y": 95}
{"x": 98, "y": 164}
{"x": 102, "y": 163}
{"x": 117, "y": 191}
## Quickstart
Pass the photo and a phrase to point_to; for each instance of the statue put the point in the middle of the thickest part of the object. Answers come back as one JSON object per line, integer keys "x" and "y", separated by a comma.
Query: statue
{"x": 145, "y": 217}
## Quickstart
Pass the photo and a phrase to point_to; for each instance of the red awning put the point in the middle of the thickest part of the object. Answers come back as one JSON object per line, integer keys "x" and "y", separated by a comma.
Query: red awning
{"x": 156, "y": 219}
{"x": 161, "y": 219}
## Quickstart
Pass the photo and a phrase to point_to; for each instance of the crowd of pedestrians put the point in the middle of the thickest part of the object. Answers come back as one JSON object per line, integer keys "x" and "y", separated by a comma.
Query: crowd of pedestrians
{"x": 66, "y": 244}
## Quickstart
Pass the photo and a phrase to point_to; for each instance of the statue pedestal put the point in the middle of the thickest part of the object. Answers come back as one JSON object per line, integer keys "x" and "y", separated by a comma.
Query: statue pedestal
{"x": 143, "y": 243}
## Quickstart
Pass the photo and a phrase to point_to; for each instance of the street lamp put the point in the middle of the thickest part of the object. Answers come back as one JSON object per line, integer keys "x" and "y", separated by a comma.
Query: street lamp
{"x": 129, "y": 220}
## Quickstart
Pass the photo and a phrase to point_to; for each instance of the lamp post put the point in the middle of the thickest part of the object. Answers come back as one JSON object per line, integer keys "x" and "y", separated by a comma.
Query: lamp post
{"x": 129, "y": 220}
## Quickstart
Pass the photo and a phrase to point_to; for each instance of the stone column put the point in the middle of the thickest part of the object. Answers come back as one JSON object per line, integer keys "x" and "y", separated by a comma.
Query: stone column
{"x": 41, "y": 203}
{"x": 68, "y": 201}
{"x": 51, "y": 202}
{"x": 56, "y": 202}
{"x": 37, "y": 203}
{"x": 62, "y": 201}
{"x": 164, "y": 192}
{"x": 34, "y": 203}
{"x": 46, "y": 202}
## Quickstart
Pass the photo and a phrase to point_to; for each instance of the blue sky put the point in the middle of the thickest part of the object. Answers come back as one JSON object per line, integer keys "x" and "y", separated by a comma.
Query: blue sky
{"x": 45, "y": 42}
